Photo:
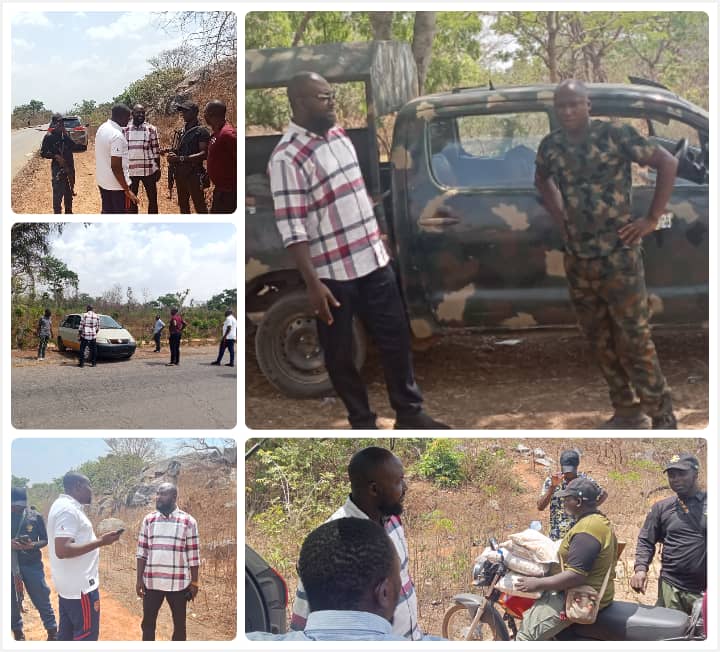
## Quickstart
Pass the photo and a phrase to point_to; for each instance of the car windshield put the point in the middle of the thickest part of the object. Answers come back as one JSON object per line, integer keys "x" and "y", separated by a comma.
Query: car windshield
{"x": 71, "y": 122}
{"x": 108, "y": 322}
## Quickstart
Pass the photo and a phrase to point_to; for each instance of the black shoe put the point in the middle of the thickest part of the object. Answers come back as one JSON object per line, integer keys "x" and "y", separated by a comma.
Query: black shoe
{"x": 171, "y": 364}
{"x": 229, "y": 364}
{"x": 420, "y": 421}
{"x": 81, "y": 366}
{"x": 19, "y": 634}
{"x": 52, "y": 635}
{"x": 93, "y": 365}
{"x": 216, "y": 362}
{"x": 664, "y": 422}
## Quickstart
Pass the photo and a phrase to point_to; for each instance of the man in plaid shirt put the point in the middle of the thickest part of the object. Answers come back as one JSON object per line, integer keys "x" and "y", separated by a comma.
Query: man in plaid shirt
{"x": 144, "y": 152}
{"x": 327, "y": 222}
{"x": 89, "y": 327}
{"x": 168, "y": 562}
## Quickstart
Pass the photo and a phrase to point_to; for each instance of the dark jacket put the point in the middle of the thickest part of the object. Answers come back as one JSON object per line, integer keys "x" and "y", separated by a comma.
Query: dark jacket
{"x": 59, "y": 142}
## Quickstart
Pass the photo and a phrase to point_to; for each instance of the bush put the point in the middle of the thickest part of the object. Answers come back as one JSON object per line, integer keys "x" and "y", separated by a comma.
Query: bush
{"x": 442, "y": 463}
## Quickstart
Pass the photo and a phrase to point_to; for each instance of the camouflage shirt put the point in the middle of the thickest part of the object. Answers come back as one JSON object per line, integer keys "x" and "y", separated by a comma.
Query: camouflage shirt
{"x": 560, "y": 520}
{"x": 594, "y": 178}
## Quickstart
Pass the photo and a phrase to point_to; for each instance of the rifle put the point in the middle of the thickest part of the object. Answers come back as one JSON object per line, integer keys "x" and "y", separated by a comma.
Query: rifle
{"x": 18, "y": 589}
{"x": 171, "y": 168}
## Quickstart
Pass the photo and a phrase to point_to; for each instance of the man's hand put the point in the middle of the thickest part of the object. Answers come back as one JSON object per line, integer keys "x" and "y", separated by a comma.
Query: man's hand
{"x": 193, "y": 590}
{"x": 109, "y": 538}
{"x": 633, "y": 233}
{"x": 16, "y": 544}
{"x": 638, "y": 581}
{"x": 172, "y": 157}
{"x": 157, "y": 175}
{"x": 140, "y": 590}
{"x": 528, "y": 584}
{"x": 556, "y": 479}
{"x": 131, "y": 196}
{"x": 321, "y": 298}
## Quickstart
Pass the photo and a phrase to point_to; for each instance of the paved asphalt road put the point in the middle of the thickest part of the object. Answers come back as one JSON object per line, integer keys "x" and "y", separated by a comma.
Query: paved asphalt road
{"x": 137, "y": 393}
{"x": 23, "y": 143}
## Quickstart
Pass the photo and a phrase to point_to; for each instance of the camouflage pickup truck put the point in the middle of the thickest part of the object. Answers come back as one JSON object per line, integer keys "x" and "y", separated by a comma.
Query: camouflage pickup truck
{"x": 472, "y": 244}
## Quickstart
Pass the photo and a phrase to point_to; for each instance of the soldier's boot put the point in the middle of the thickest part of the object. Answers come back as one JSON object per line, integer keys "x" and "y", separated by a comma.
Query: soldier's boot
{"x": 18, "y": 634}
{"x": 420, "y": 421}
{"x": 626, "y": 422}
{"x": 665, "y": 418}
{"x": 52, "y": 635}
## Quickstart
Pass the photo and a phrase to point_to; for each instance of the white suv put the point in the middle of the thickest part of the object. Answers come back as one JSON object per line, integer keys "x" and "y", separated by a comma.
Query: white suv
{"x": 113, "y": 341}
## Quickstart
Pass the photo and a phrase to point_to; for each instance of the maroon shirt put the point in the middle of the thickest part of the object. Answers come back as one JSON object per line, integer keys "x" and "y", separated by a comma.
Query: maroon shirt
{"x": 177, "y": 323}
{"x": 222, "y": 158}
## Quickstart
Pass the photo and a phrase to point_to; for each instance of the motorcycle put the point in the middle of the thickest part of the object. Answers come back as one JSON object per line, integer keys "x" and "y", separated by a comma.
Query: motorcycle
{"x": 493, "y": 615}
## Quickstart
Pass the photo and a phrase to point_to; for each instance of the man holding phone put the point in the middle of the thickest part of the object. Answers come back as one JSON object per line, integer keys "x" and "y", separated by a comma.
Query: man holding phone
{"x": 168, "y": 563}
{"x": 560, "y": 520}
{"x": 74, "y": 559}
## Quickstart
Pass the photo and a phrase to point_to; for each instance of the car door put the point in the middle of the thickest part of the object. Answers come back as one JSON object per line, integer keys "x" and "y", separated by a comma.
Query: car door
{"x": 484, "y": 251}
{"x": 69, "y": 332}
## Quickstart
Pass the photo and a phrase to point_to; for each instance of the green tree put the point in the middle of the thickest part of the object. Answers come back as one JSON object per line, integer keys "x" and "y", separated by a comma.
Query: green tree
{"x": 29, "y": 246}
{"x": 58, "y": 277}
{"x": 152, "y": 89}
{"x": 84, "y": 109}
{"x": 113, "y": 475}
{"x": 145, "y": 448}
{"x": 226, "y": 299}
{"x": 19, "y": 481}
{"x": 172, "y": 299}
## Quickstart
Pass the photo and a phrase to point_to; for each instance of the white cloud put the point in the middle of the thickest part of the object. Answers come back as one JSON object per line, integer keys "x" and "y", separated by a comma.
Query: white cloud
{"x": 22, "y": 44}
{"x": 36, "y": 19}
{"x": 125, "y": 27}
{"x": 80, "y": 14}
{"x": 147, "y": 256}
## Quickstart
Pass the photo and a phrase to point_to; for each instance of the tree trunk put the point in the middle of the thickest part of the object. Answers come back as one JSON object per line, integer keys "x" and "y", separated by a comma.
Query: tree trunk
{"x": 381, "y": 23}
{"x": 552, "y": 54}
{"x": 300, "y": 31}
{"x": 423, "y": 35}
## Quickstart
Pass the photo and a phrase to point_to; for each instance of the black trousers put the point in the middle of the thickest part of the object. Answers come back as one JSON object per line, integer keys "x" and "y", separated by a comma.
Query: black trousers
{"x": 376, "y": 300}
{"x": 61, "y": 191}
{"x": 174, "y": 341}
{"x": 152, "y": 601}
{"x": 224, "y": 201}
{"x": 188, "y": 185}
{"x": 113, "y": 201}
{"x": 93, "y": 350}
{"x": 156, "y": 337}
{"x": 150, "y": 186}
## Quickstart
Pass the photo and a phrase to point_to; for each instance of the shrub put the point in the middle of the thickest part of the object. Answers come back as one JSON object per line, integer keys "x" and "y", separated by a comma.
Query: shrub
{"x": 442, "y": 463}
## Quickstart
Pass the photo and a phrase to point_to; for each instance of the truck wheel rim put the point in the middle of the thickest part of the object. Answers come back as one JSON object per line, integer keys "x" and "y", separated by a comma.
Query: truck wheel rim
{"x": 300, "y": 346}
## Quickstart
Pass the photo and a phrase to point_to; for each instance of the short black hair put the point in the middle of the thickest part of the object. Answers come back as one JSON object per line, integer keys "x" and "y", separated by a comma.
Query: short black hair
{"x": 364, "y": 462}
{"x": 71, "y": 479}
{"x": 342, "y": 560}
{"x": 120, "y": 109}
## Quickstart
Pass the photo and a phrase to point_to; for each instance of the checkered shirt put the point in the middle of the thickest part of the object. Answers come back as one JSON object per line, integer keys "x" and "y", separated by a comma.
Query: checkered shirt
{"x": 89, "y": 326}
{"x": 320, "y": 198}
{"x": 170, "y": 546}
{"x": 143, "y": 149}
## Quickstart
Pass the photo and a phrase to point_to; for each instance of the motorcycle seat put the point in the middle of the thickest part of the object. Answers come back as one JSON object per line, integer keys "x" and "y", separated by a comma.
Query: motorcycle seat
{"x": 628, "y": 621}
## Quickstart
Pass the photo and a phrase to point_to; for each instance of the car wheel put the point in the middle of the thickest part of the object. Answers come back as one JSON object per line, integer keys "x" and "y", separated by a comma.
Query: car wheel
{"x": 288, "y": 351}
{"x": 61, "y": 345}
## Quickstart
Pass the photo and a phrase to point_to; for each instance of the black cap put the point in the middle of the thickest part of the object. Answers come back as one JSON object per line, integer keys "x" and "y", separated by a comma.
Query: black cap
{"x": 683, "y": 462}
{"x": 581, "y": 488}
{"x": 569, "y": 461}
{"x": 186, "y": 105}
{"x": 18, "y": 496}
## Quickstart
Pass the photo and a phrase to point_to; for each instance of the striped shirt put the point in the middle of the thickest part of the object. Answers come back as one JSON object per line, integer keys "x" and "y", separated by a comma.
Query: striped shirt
{"x": 143, "y": 149}
{"x": 89, "y": 325}
{"x": 405, "y": 621}
{"x": 320, "y": 198}
{"x": 170, "y": 547}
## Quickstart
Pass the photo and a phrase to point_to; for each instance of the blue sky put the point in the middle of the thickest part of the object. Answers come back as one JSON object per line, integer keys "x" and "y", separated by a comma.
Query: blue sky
{"x": 159, "y": 258}
{"x": 61, "y": 58}
{"x": 41, "y": 460}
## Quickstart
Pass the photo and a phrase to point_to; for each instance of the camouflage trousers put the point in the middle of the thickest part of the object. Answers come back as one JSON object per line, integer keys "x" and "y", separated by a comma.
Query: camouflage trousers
{"x": 610, "y": 301}
{"x": 674, "y": 598}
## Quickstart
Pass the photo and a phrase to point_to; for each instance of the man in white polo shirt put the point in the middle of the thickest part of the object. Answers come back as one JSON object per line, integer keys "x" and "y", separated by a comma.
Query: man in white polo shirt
{"x": 74, "y": 557}
{"x": 229, "y": 337}
{"x": 112, "y": 162}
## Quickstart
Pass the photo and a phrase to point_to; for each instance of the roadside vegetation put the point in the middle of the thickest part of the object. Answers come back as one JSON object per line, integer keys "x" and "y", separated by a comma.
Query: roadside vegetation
{"x": 460, "y": 492}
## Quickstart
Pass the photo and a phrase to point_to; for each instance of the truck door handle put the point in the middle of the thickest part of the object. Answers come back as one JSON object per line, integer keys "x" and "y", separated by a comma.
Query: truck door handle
{"x": 439, "y": 219}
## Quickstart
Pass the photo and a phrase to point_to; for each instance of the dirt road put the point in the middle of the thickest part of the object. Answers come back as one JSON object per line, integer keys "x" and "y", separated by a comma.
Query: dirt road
{"x": 546, "y": 381}
{"x": 137, "y": 393}
{"x": 32, "y": 193}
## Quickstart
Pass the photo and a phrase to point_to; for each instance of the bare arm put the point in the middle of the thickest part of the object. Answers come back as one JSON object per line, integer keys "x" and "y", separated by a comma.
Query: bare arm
{"x": 562, "y": 581}
{"x": 139, "y": 584}
{"x": 321, "y": 298}
{"x": 666, "y": 165}
{"x": 66, "y": 548}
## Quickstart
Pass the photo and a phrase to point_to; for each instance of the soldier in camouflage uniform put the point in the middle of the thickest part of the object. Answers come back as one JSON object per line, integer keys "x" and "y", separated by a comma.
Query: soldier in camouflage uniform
{"x": 583, "y": 172}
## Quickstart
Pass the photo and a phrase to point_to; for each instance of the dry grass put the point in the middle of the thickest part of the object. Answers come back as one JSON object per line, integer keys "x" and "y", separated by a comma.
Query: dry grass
{"x": 448, "y": 528}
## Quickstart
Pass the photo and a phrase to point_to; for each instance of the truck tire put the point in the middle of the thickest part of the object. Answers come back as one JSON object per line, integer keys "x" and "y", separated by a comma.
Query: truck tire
{"x": 288, "y": 351}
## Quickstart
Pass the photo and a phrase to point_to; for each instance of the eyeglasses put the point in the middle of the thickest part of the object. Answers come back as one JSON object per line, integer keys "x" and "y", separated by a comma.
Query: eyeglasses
{"x": 325, "y": 97}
